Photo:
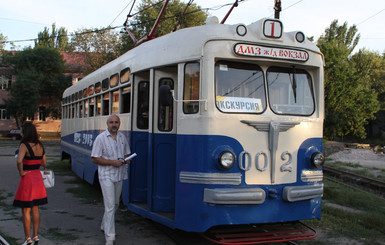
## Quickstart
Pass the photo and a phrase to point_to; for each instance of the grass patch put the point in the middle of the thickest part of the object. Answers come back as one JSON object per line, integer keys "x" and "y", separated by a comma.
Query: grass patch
{"x": 86, "y": 192}
{"x": 60, "y": 167}
{"x": 58, "y": 235}
{"x": 355, "y": 168}
{"x": 89, "y": 194}
{"x": 366, "y": 226}
{"x": 4, "y": 196}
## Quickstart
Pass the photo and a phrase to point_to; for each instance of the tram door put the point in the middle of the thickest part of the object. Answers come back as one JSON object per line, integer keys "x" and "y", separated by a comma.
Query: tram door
{"x": 164, "y": 140}
{"x": 138, "y": 186}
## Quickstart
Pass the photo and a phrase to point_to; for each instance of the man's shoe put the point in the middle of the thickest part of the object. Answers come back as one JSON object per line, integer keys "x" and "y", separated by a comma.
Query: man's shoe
{"x": 109, "y": 242}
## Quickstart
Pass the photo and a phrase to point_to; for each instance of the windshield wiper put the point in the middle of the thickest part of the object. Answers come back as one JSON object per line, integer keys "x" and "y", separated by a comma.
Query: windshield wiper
{"x": 294, "y": 85}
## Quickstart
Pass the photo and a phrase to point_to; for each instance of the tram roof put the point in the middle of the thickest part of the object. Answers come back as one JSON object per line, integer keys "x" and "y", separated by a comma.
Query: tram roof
{"x": 186, "y": 45}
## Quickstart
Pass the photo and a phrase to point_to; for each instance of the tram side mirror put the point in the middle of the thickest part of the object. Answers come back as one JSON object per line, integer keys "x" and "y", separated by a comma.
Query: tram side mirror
{"x": 165, "y": 95}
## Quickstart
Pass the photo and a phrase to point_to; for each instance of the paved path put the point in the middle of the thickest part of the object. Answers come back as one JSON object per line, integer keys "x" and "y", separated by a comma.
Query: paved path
{"x": 66, "y": 219}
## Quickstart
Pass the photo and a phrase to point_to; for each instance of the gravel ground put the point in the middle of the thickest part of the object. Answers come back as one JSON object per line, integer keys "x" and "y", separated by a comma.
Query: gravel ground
{"x": 364, "y": 157}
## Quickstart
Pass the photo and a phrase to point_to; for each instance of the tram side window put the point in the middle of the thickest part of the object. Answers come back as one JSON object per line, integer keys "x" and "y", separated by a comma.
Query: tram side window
{"x": 165, "y": 111}
{"x": 98, "y": 87}
{"x": 106, "y": 103}
{"x": 115, "y": 102}
{"x": 85, "y": 108}
{"x": 73, "y": 111}
{"x": 105, "y": 84}
{"x": 92, "y": 107}
{"x": 239, "y": 87}
{"x": 126, "y": 100}
{"x": 125, "y": 75}
{"x": 114, "y": 80}
{"x": 98, "y": 105}
{"x": 80, "y": 109}
{"x": 143, "y": 105}
{"x": 290, "y": 91}
{"x": 191, "y": 88}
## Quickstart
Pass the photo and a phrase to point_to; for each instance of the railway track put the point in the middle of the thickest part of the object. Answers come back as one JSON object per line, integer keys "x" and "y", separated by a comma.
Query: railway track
{"x": 368, "y": 184}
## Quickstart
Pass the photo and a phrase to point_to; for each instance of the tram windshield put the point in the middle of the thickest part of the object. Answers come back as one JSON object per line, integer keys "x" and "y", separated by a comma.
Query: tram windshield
{"x": 290, "y": 91}
{"x": 239, "y": 87}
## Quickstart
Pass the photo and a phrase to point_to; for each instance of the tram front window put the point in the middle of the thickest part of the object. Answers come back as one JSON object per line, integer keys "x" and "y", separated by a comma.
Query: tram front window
{"x": 239, "y": 87}
{"x": 290, "y": 91}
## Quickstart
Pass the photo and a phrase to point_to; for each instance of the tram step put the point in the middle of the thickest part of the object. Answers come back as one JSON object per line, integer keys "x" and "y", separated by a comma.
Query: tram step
{"x": 260, "y": 233}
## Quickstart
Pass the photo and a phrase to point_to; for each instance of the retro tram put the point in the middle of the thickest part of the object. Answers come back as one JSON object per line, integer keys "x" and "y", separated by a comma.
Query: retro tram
{"x": 226, "y": 121}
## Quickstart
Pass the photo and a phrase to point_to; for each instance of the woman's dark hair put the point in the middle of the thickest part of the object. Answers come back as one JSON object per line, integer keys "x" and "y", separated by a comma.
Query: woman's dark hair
{"x": 29, "y": 134}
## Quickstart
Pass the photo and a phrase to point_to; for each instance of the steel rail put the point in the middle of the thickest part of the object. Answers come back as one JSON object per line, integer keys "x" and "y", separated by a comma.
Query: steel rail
{"x": 369, "y": 184}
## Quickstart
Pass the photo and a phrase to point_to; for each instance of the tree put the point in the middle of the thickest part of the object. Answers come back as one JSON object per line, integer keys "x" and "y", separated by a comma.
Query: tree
{"x": 143, "y": 22}
{"x": 3, "y": 40}
{"x": 350, "y": 102}
{"x": 99, "y": 45}
{"x": 58, "y": 38}
{"x": 371, "y": 68}
{"x": 39, "y": 81}
{"x": 104, "y": 45}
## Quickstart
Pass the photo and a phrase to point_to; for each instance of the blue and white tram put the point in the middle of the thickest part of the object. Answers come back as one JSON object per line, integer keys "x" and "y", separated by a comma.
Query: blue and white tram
{"x": 226, "y": 120}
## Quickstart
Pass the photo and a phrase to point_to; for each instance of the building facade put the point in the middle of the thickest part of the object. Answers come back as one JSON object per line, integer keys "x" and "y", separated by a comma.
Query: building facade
{"x": 74, "y": 66}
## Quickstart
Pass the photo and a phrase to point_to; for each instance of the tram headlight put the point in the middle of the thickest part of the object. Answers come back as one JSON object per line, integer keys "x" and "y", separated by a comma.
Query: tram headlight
{"x": 241, "y": 30}
{"x": 300, "y": 37}
{"x": 317, "y": 159}
{"x": 226, "y": 159}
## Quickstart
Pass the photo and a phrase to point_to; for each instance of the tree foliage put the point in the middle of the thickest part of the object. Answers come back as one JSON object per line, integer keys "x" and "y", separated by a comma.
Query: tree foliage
{"x": 39, "y": 81}
{"x": 142, "y": 23}
{"x": 3, "y": 40}
{"x": 99, "y": 45}
{"x": 350, "y": 100}
{"x": 58, "y": 38}
{"x": 104, "y": 45}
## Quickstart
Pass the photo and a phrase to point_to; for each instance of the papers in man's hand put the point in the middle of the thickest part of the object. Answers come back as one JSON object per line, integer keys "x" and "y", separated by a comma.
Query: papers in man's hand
{"x": 130, "y": 156}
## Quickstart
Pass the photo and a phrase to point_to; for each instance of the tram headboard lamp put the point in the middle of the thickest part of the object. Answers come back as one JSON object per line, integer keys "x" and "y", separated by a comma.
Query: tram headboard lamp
{"x": 300, "y": 37}
{"x": 317, "y": 159}
{"x": 226, "y": 159}
{"x": 241, "y": 30}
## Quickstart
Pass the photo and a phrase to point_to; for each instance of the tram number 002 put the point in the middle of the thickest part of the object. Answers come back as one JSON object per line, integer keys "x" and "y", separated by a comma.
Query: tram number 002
{"x": 262, "y": 166}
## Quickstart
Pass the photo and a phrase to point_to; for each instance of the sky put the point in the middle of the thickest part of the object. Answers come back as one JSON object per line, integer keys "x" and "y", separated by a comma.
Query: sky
{"x": 23, "y": 19}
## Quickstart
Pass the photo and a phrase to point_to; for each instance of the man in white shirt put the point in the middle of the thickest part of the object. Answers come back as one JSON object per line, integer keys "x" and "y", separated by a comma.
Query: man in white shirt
{"x": 108, "y": 151}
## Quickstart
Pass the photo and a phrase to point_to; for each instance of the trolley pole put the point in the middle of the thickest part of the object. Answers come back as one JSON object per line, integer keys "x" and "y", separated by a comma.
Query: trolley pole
{"x": 277, "y": 8}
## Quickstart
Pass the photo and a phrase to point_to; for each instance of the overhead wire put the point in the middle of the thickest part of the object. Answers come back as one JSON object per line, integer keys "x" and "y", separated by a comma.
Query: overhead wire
{"x": 370, "y": 17}
{"x": 121, "y": 12}
{"x": 215, "y": 8}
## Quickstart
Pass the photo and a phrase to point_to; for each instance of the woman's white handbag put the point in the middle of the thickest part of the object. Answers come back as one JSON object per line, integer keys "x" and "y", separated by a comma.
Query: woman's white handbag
{"x": 48, "y": 178}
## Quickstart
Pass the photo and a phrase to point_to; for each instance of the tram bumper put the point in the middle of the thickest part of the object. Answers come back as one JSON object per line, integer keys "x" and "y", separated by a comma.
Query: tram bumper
{"x": 301, "y": 193}
{"x": 234, "y": 196}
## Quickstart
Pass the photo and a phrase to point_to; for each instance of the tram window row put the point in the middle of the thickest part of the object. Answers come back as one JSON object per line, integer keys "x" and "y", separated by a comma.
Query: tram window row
{"x": 113, "y": 96}
{"x": 101, "y": 98}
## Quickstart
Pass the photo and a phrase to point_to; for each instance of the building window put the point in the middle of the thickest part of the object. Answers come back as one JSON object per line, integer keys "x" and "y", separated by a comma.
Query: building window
{"x": 42, "y": 113}
{"x": 5, "y": 82}
{"x": 3, "y": 114}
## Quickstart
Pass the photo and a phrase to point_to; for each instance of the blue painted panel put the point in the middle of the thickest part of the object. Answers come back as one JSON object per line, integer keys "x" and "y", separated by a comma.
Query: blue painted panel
{"x": 138, "y": 168}
{"x": 163, "y": 190}
{"x": 192, "y": 214}
{"x": 80, "y": 150}
{"x": 199, "y": 154}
